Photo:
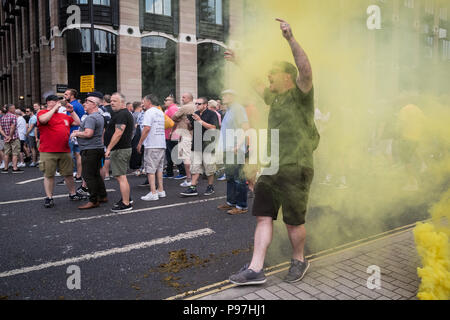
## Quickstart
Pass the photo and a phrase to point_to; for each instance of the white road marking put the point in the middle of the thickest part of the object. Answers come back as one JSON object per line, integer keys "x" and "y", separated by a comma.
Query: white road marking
{"x": 31, "y": 180}
{"x": 43, "y": 197}
{"x": 140, "y": 210}
{"x": 109, "y": 252}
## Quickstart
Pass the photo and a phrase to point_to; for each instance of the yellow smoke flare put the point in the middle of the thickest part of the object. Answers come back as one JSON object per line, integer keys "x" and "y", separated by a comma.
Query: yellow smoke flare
{"x": 432, "y": 242}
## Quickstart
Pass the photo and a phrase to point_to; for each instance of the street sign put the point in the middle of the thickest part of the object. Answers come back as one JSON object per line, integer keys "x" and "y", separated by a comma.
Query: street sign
{"x": 61, "y": 88}
{"x": 87, "y": 83}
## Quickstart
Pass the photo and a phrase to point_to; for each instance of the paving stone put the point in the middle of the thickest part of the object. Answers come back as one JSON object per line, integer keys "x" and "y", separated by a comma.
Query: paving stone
{"x": 343, "y": 297}
{"x": 348, "y": 283}
{"x": 350, "y": 292}
{"x": 305, "y": 296}
{"x": 405, "y": 293}
{"x": 329, "y": 282}
{"x": 307, "y": 288}
{"x": 326, "y": 289}
{"x": 346, "y": 274}
{"x": 324, "y": 296}
{"x": 284, "y": 295}
{"x": 327, "y": 273}
{"x": 403, "y": 285}
{"x": 370, "y": 293}
{"x": 266, "y": 295}
{"x": 251, "y": 296}
{"x": 289, "y": 288}
{"x": 273, "y": 288}
{"x": 311, "y": 281}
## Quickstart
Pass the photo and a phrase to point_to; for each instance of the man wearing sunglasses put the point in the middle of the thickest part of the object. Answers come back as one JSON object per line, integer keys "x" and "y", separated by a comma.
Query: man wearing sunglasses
{"x": 290, "y": 96}
{"x": 89, "y": 138}
{"x": 202, "y": 160}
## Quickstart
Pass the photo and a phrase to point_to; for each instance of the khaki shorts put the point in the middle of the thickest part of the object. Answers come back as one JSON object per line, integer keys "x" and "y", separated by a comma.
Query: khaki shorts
{"x": 184, "y": 149}
{"x": 203, "y": 163}
{"x": 120, "y": 160}
{"x": 51, "y": 161}
{"x": 12, "y": 147}
{"x": 154, "y": 160}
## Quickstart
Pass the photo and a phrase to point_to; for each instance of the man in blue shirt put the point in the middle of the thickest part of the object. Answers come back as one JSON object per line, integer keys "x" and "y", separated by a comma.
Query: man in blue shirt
{"x": 234, "y": 148}
{"x": 71, "y": 97}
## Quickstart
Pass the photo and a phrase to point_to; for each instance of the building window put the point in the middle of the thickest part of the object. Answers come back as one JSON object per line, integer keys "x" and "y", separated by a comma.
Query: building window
{"x": 158, "y": 66}
{"x": 162, "y": 7}
{"x": 211, "y": 68}
{"x": 211, "y": 11}
{"x": 96, "y": 2}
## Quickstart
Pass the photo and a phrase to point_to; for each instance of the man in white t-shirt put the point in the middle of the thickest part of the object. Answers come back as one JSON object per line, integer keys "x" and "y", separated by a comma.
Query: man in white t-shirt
{"x": 154, "y": 141}
{"x": 22, "y": 129}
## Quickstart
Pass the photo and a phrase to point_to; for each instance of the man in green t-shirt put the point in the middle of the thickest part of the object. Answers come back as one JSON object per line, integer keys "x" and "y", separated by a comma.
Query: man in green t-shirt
{"x": 290, "y": 96}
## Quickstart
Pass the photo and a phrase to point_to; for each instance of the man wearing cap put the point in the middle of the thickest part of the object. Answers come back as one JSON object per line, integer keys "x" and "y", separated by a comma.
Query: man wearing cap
{"x": 54, "y": 148}
{"x": 89, "y": 138}
{"x": 290, "y": 96}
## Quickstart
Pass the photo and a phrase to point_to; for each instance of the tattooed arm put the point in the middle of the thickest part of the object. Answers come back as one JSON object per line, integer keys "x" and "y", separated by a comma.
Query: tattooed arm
{"x": 304, "y": 80}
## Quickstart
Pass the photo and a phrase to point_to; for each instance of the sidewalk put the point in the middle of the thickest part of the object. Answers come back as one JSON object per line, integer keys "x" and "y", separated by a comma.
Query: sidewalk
{"x": 342, "y": 275}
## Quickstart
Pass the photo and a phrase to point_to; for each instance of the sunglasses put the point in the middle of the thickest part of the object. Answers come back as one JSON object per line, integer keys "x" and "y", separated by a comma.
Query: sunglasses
{"x": 199, "y": 103}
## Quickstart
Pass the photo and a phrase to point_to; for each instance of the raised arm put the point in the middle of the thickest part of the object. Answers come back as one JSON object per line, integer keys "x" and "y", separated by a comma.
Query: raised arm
{"x": 304, "y": 80}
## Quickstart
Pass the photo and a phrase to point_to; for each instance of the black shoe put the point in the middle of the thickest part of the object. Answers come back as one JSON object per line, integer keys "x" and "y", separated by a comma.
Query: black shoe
{"x": 48, "y": 203}
{"x": 5, "y": 171}
{"x": 121, "y": 207}
{"x": 190, "y": 192}
{"x": 83, "y": 192}
{"x": 115, "y": 205}
{"x": 17, "y": 171}
{"x": 209, "y": 190}
{"x": 78, "y": 179}
{"x": 61, "y": 183}
{"x": 75, "y": 197}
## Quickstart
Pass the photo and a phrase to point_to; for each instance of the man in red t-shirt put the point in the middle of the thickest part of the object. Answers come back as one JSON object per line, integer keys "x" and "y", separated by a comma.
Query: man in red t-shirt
{"x": 54, "y": 148}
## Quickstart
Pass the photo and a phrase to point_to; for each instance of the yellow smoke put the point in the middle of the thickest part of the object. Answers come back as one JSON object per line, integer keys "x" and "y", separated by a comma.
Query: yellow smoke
{"x": 432, "y": 240}
{"x": 386, "y": 144}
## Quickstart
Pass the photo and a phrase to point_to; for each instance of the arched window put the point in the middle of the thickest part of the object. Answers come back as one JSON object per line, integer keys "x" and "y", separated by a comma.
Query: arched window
{"x": 210, "y": 70}
{"x": 158, "y": 66}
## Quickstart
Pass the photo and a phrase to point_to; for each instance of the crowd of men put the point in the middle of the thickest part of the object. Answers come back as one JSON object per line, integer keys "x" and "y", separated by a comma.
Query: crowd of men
{"x": 106, "y": 136}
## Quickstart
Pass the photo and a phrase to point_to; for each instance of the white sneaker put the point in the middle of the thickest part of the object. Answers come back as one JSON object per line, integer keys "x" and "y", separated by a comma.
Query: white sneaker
{"x": 185, "y": 184}
{"x": 21, "y": 165}
{"x": 2, "y": 166}
{"x": 162, "y": 194}
{"x": 33, "y": 164}
{"x": 150, "y": 197}
{"x": 57, "y": 174}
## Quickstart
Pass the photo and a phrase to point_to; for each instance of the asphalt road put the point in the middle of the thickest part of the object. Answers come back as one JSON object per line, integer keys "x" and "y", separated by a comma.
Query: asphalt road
{"x": 158, "y": 250}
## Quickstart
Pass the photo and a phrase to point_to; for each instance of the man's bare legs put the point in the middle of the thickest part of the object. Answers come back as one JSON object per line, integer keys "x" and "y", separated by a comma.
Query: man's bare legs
{"x": 124, "y": 189}
{"x": 49, "y": 185}
{"x": 297, "y": 236}
{"x": 263, "y": 238}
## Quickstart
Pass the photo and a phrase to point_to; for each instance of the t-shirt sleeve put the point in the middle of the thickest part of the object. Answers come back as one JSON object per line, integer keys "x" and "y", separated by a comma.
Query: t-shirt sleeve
{"x": 148, "y": 119}
{"x": 121, "y": 118}
{"x": 89, "y": 123}
{"x": 305, "y": 98}
{"x": 212, "y": 119}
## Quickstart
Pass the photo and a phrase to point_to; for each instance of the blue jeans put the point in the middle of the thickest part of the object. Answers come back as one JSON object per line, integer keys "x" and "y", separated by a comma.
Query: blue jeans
{"x": 236, "y": 186}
